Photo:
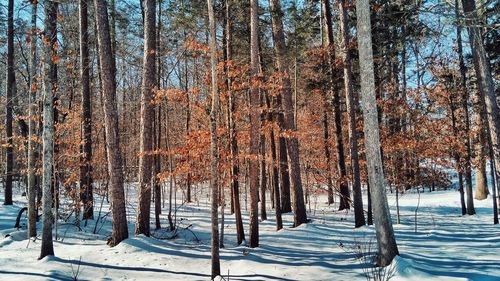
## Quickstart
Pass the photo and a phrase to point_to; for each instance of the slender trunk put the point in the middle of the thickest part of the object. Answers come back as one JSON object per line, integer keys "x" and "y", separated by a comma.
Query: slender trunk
{"x": 235, "y": 170}
{"x": 263, "y": 176}
{"x": 115, "y": 170}
{"x": 254, "y": 124}
{"x": 485, "y": 82}
{"x": 275, "y": 176}
{"x": 292, "y": 142}
{"x": 147, "y": 114}
{"x": 465, "y": 99}
{"x": 286, "y": 202}
{"x": 11, "y": 81}
{"x": 32, "y": 206}
{"x": 49, "y": 89}
{"x": 157, "y": 168}
{"x": 86, "y": 117}
{"x": 157, "y": 159}
{"x": 214, "y": 171}
{"x": 369, "y": 213}
{"x": 339, "y": 147}
{"x": 461, "y": 190}
{"x": 326, "y": 144}
{"x": 359, "y": 217}
{"x": 387, "y": 248}
{"x": 456, "y": 155}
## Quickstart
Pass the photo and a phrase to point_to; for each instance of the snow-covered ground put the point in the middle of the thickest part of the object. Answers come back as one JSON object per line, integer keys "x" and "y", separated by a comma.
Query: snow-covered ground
{"x": 445, "y": 246}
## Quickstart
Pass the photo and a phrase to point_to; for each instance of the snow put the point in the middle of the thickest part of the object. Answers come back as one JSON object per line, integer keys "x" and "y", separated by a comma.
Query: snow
{"x": 446, "y": 245}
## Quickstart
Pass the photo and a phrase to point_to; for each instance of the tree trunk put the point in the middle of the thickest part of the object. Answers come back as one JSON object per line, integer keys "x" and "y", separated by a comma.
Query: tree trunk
{"x": 339, "y": 147}
{"x": 254, "y": 124}
{"x": 326, "y": 144}
{"x": 214, "y": 177}
{"x": 49, "y": 89}
{"x": 86, "y": 118}
{"x": 147, "y": 114}
{"x": 263, "y": 176}
{"x": 275, "y": 176}
{"x": 481, "y": 149}
{"x": 485, "y": 82}
{"x": 235, "y": 170}
{"x": 359, "y": 217}
{"x": 387, "y": 248}
{"x": 115, "y": 172}
{"x": 32, "y": 206}
{"x": 292, "y": 142}
{"x": 157, "y": 169}
{"x": 11, "y": 81}
{"x": 286, "y": 202}
{"x": 465, "y": 98}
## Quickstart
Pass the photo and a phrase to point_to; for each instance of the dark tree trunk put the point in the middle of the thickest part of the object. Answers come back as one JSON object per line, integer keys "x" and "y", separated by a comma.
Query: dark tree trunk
{"x": 359, "y": 217}
{"x": 11, "y": 81}
{"x": 292, "y": 142}
{"x": 286, "y": 202}
{"x": 86, "y": 116}
{"x": 235, "y": 170}
{"x": 115, "y": 170}
{"x": 254, "y": 125}
{"x": 263, "y": 175}
{"x": 32, "y": 186}
{"x": 485, "y": 84}
{"x": 147, "y": 114}
{"x": 465, "y": 99}
{"x": 275, "y": 175}
{"x": 339, "y": 147}
{"x": 326, "y": 144}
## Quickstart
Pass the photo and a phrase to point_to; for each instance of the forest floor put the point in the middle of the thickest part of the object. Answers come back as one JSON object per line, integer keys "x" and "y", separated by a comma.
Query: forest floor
{"x": 445, "y": 245}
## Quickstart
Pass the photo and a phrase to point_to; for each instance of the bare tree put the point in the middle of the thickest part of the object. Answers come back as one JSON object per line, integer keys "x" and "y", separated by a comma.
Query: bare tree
{"x": 115, "y": 172}
{"x": 214, "y": 177}
{"x": 11, "y": 81}
{"x": 359, "y": 217}
{"x": 485, "y": 83}
{"x": 339, "y": 147}
{"x": 387, "y": 247}
{"x": 147, "y": 113}
{"x": 292, "y": 142}
{"x": 254, "y": 124}
{"x": 49, "y": 89}
{"x": 86, "y": 111}
{"x": 32, "y": 207}
{"x": 235, "y": 170}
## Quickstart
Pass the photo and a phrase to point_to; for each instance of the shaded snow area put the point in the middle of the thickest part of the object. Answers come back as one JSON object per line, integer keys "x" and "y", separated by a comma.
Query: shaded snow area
{"x": 445, "y": 245}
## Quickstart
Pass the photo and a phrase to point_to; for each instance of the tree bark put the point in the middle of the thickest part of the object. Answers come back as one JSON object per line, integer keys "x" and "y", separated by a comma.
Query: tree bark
{"x": 275, "y": 176}
{"x": 147, "y": 113}
{"x": 465, "y": 98}
{"x": 263, "y": 176}
{"x": 115, "y": 170}
{"x": 235, "y": 170}
{"x": 254, "y": 124}
{"x": 359, "y": 217}
{"x": 326, "y": 144}
{"x": 49, "y": 90}
{"x": 339, "y": 147}
{"x": 387, "y": 248}
{"x": 86, "y": 117}
{"x": 214, "y": 178}
{"x": 292, "y": 142}
{"x": 32, "y": 206}
{"x": 11, "y": 81}
{"x": 485, "y": 82}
